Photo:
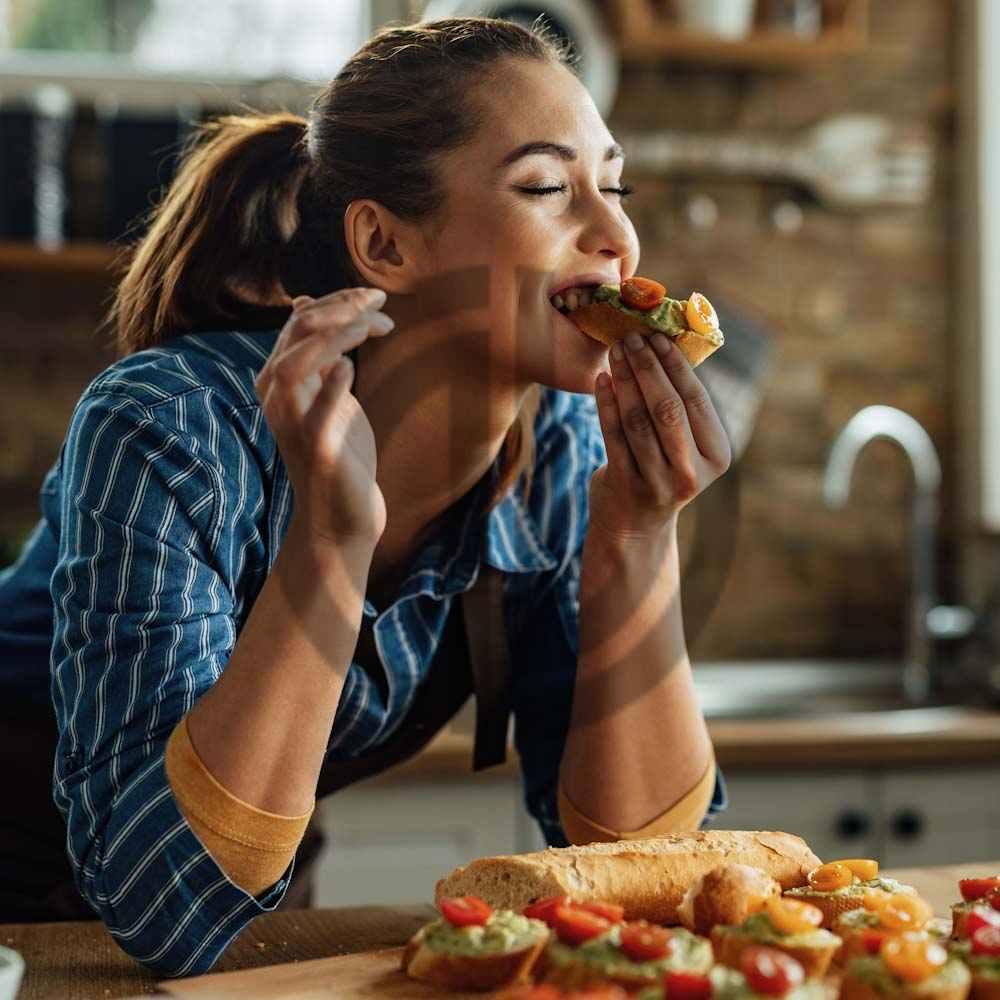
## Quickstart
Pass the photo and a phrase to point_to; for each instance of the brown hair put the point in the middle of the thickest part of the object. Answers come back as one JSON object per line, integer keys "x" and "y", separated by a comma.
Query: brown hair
{"x": 251, "y": 215}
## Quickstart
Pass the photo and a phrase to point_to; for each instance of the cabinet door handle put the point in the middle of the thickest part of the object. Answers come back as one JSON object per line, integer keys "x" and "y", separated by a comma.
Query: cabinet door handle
{"x": 852, "y": 824}
{"x": 907, "y": 824}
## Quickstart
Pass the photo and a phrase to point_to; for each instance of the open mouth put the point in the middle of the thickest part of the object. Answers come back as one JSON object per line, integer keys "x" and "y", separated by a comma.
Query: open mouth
{"x": 572, "y": 298}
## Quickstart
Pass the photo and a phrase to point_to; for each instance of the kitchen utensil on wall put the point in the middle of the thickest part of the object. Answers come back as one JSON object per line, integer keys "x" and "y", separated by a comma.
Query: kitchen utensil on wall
{"x": 34, "y": 142}
{"x": 725, "y": 18}
{"x": 850, "y": 162}
{"x": 576, "y": 21}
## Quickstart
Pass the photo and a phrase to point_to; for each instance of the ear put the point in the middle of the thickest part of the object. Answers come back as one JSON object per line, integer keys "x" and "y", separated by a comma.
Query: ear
{"x": 385, "y": 251}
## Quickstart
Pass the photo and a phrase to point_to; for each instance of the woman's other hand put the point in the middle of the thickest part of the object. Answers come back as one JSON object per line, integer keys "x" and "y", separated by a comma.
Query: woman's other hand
{"x": 324, "y": 437}
{"x": 664, "y": 440}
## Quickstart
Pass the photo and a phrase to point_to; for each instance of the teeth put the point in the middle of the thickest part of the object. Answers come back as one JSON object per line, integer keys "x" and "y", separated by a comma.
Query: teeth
{"x": 570, "y": 297}
{"x": 585, "y": 296}
{"x": 558, "y": 301}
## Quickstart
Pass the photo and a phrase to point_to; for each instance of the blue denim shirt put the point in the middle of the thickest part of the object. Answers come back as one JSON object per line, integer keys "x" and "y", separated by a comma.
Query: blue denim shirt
{"x": 161, "y": 519}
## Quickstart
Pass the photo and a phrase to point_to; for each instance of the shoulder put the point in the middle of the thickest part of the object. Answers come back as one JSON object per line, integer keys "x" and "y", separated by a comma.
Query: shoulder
{"x": 217, "y": 367}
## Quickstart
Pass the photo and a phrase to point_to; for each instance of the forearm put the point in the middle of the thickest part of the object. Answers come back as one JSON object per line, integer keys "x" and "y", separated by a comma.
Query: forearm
{"x": 637, "y": 741}
{"x": 262, "y": 729}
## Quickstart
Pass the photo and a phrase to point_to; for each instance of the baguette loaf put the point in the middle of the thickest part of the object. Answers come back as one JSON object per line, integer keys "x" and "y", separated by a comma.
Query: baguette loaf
{"x": 648, "y": 877}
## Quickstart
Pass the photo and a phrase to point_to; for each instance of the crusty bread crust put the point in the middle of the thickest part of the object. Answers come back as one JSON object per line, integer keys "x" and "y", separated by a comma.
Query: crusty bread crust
{"x": 729, "y": 945}
{"x": 579, "y": 975}
{"x": 727, "y": 894}
{"x": 958, "y": 921}
{"x": 607, "y": 324}
{"x": 983, "y": 988}
{"x": 469, "y": 972}
{"x": 852, "y": 988}
{"x": 647, "y": 877}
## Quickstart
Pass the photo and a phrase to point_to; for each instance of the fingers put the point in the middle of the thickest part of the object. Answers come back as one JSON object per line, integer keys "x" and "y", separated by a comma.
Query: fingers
{"x": 619, "y": 453}
{"x": 654, "y": 416}
{"x": 706, "y": 428}
{"x": 327, "y": 399}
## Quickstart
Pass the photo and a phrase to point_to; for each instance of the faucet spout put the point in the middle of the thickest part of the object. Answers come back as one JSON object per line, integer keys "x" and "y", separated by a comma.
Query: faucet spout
{"x": 866, "y": 425}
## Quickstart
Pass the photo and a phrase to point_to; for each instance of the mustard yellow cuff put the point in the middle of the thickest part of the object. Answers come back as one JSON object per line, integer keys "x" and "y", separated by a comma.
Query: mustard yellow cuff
{"x": 252, "y": 846}
{"x": 684, "y": 815}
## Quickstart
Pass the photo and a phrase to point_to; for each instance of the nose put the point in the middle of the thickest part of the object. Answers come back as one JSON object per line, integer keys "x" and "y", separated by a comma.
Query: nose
{"x": 609, "y": 232}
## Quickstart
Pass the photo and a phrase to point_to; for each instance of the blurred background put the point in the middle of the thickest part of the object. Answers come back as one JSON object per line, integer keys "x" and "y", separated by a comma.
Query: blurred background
{"x": 828, "y": 173}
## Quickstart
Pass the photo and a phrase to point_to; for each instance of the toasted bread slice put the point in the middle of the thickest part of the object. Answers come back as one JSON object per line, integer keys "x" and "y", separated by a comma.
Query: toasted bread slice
{"x": 729, "y": 943}
{"x": 470, "y": 972}
{"x": 727, "y": 894}
{"x": 984, "y": 988}
{"x": 832, "y": 906}
{"x": 852, "y": 988}
{"x": 607, "y": 324}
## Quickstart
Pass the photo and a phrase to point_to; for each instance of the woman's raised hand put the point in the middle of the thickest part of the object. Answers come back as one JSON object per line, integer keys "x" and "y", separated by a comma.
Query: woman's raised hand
{"x": 664, "y": 439}
{"x": 323, "y": 435}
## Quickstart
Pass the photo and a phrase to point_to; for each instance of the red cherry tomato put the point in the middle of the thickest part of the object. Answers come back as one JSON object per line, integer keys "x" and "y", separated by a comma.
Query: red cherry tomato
{"x": 544, "y": 909}
{"x": 574, "y": 926}
{"x": 981, "y": 916}
{"x": 770, "y": 971}
{"x": 642, "y": 293}
{"x": 610, "y": 911}
{"x": 986, "y": 941}
{"x": 871, "y": 940}
{"x": 687, "y": 986}
{"x": 645, "y": 942}
{"x": 993, "y": 897}
{"x": 976, "y": 888}
{"x": 466, "y": 911}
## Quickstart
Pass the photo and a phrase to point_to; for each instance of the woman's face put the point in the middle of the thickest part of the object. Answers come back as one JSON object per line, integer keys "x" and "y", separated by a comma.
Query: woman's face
{"x": 522, "y": 247}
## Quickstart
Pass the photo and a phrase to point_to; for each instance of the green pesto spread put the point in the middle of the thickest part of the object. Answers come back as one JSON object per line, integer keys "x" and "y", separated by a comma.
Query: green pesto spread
{"x": 858, "y": 920}
{"x": 857, "y": 888}
{"x": 983, "y": 966}
{"x": 760, "y": 927}
{"x": 728, "y": 984}
{"x": 871, "y": 969}
{"x": 690, "y": 953}
{"x": 668, "y": 316}
{"x": 504, "y": 931}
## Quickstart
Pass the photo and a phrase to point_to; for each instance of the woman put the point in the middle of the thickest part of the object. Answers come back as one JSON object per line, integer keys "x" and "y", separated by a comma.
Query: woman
{"x": 219, "y": 546}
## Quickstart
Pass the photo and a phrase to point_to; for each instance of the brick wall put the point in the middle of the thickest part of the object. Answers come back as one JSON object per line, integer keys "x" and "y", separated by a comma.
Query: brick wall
{"x": 858, "y": 307}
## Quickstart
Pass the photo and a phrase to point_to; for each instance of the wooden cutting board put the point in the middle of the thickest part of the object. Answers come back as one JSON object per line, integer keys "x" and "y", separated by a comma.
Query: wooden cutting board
{"x": 368, "y": 975}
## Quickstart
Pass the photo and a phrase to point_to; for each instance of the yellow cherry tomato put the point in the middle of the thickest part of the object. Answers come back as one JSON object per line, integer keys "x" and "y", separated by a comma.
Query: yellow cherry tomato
{"x": 912, "y": 956}
{"x": 864, "y": 868}
{"x": 875, "y": 899}
{"x": 700, "y": 314}
{"x": 904, "y": 913}
{"x": 792, "y": 916}
{"x": 830, "y": 876}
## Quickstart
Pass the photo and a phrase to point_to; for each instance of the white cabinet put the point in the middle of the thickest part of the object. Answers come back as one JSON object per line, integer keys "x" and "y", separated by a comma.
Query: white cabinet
{"x": 902, "y": 816}
{"x": 390, "y": 843}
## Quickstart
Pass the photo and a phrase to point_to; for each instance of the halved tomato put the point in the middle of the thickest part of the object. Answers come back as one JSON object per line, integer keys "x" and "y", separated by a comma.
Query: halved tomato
{"x": 574, "y": 926}
{"x": 864, "y": 868}
{"x": 793, "y": 916}
{"x": 610, "y": 911}
{"x": 687, "y": 986}
{"x": 993, "y": 897}
{"x": 830, "y": 876}
{"x": 872, "y": 939}
{"x": 902, "y": 912}
{"x": 466, "y": 911}
{"x": 770, "y": 971}
{"x": 912, "y": 956}
{"x": 976, "y": 888}
{"x": 544, "y": 909}
{"x": 986, "y": 941}
{"x": 981, "y": 916}
{"x": 645, "y": 942}
{"x": 642, "y": 293}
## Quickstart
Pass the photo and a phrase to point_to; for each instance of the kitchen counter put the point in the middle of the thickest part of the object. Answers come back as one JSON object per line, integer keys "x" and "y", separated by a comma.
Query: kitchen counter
{"x": 871, "y": 739}
{"x": 80, "y": 960}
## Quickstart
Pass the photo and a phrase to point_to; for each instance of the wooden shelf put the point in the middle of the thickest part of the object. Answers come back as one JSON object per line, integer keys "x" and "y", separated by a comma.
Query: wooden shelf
{"x": 643, "y": 34}
{"x": 75, "y": 257}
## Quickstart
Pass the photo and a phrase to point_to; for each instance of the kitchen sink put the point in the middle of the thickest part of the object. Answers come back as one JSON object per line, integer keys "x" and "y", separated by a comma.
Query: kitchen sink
{"x": 754, "y": 689}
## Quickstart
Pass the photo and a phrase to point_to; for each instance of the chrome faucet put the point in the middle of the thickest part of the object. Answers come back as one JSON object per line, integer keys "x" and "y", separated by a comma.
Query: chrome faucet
{"x": 887, "y": 422}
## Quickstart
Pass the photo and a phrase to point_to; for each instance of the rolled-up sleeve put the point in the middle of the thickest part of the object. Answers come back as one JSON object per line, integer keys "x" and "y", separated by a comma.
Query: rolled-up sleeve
{"x": 143, "y": 625}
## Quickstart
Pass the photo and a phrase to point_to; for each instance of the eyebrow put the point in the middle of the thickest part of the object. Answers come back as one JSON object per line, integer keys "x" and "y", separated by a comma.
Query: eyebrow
{"x": 613, "y": 152}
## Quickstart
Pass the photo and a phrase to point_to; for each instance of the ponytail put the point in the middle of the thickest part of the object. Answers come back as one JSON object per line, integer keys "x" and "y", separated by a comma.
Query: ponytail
{"x": 217, "y": 238}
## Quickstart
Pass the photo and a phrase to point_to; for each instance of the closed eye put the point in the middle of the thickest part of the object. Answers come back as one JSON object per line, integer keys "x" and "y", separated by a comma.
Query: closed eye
{"x": 624, "y": 191}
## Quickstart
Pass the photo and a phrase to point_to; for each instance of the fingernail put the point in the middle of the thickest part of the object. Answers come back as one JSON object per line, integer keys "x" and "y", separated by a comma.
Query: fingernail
{"x": 376, "y": 294}
{"x": 384, "y": 323}
{"x": 617, "y": 351}
{"x": 634, "y": 341}
{"x": 661, "y": 342}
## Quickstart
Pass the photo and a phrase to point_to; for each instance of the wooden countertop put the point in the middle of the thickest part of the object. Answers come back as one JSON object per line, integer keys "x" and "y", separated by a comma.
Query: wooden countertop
{"x": 869, "y": 739}
{"x": 80, "y": 960}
